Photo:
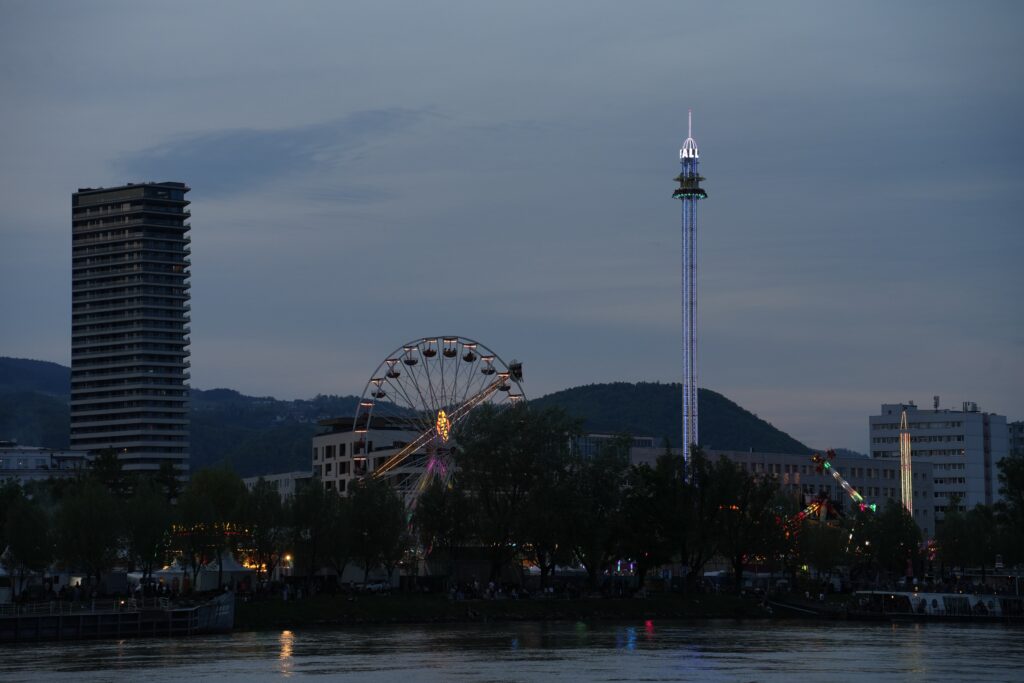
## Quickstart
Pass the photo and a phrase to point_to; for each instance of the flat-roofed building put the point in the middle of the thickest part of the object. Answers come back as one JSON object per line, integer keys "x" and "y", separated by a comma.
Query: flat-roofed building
{"x": 33, "y": 463}
{"x": 130, "y": 323}
{"x": 341, "y": 455}
{"x": 964, "y": 447}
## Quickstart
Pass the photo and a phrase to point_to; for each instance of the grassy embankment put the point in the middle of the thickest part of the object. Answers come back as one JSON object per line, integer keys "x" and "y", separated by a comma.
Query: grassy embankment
{"x": 329, "y": 610}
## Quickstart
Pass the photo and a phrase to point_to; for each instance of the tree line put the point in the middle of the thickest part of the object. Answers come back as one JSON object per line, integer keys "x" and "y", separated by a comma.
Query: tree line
{"x": 105, "y": 519}
{"x": 520, "y": 493}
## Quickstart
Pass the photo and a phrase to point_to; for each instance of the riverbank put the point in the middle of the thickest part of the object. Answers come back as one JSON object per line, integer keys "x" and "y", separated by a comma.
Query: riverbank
{"x": 325, "y": 611}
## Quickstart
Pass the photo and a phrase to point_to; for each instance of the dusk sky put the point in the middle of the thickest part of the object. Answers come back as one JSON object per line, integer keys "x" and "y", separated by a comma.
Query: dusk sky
{"x": 366, "y": 174}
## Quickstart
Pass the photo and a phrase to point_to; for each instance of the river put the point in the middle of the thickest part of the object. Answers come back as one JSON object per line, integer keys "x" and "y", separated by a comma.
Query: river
{"x": 651, "y": 651}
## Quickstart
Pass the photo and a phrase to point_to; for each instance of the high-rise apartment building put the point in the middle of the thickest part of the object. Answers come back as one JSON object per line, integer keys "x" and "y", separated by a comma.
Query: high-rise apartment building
{"x": 130, "y": 323}
{"x": 964, "y": 446}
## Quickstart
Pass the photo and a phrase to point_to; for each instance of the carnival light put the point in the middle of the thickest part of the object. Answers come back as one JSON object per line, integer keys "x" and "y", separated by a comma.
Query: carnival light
{"x": 443, "y": 425}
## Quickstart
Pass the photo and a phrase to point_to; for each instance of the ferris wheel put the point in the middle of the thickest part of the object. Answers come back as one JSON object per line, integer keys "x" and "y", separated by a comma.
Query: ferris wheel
{"x": 411, "y": 409}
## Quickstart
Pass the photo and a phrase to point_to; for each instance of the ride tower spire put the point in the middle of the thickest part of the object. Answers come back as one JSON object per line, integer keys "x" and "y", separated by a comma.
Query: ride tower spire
{"x": 689, "y": 192}
{"x": 906, "y": 470}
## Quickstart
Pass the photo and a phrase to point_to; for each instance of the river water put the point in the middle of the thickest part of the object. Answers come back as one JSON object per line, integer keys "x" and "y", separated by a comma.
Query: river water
{"x": 648, "y": 651}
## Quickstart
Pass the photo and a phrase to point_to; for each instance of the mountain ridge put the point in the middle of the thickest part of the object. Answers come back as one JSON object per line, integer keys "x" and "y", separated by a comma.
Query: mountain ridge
{"x": 261, "y": 434}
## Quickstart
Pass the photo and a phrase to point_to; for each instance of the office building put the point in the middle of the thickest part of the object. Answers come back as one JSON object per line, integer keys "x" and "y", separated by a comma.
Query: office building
{"x": 130, "y": 323}
{"x": 964, "y": 447}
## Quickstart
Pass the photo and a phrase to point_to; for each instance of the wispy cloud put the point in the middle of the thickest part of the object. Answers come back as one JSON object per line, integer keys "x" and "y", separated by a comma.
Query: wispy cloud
{"x": 224, "y": 162}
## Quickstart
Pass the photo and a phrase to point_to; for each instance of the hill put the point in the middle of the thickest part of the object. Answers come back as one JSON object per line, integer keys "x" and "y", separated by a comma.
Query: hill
{"x": 260, "y": 434}
{"x": 654, "y": 409}
{"x": 20, "y": 374}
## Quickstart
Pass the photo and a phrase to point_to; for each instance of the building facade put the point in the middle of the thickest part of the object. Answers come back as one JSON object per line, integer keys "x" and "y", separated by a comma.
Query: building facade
{"x": 23, "y": 464}
{"x": 964, "y": 447}
{"x": 130, "y": 323}
{"x": 341, "y": 455}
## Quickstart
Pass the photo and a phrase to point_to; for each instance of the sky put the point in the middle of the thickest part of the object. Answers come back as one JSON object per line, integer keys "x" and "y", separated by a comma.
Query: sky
{"x": 364, "y": 174}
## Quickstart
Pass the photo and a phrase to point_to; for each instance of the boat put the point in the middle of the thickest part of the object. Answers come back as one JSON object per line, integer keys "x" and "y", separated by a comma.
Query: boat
{"x": 118, "y": 618}
{"x": 925, "y": 606}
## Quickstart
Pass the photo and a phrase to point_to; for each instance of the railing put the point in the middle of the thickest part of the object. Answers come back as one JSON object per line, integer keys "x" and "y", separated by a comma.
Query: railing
{"x": 106, "y": 606}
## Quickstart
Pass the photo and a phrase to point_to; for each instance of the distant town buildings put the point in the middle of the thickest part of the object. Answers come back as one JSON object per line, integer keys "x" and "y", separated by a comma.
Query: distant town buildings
{"x": 287, "y": 484}
{"x": 589, "y": 445}
{"x": 878, "y": 481}
{"x": 964, "y": 447}
{"x": 129, "y": 323}
{"x": 24, "y": 464}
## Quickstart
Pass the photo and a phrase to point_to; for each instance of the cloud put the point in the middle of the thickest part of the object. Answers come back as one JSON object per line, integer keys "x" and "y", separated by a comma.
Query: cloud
{"x": 225, "y": 162}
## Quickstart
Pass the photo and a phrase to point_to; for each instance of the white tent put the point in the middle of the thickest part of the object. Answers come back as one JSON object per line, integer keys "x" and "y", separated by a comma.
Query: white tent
{"x": 178, "y": 574}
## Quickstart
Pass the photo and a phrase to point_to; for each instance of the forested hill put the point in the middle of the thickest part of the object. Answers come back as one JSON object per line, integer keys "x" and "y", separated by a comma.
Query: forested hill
{"x": 655, "y": 409}
{"x": 260, "y": 435}
{"x": 20, "y": 374}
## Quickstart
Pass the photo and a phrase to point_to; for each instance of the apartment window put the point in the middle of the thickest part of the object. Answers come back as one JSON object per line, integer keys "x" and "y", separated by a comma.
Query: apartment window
{"x": 316, "y": 453}
{"x": 341, "y": 484}
{"x": 328, "y": 468}
{"x": 328, "y": 452}
{"x": 341, "y": 450}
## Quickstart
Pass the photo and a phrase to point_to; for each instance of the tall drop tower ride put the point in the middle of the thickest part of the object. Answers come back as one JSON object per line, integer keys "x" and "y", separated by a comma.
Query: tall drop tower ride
{"x": 690, "y": 192}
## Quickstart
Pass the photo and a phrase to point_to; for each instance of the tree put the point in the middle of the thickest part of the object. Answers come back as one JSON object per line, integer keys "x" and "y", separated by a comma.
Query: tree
{"x": 89, "y": 526}
{"x": 147, "y": 525}
{"x": 337, "y": 546}
{"x": 379, "y": 527}
{"x": 648, "y": 506}
{"x": 27, "y": 531}
{"x": 545, "y": 525}
{"x": 981, "y": 525}
{"x": 502, "y": 454}
{"x": 823, "y": 546}
{"x": 9, "y": 492}
{"x": 442, "y": 521}
{"x": 310, "y": 521}
{"x": 168, "y": 481}
{"x": 209, "y": 513}
{"x": 1010, "y": 510}
{"x": 263, "y": 514}
{"x": 706, "y": 497}
{"x": 107, "y": 469}
{"x": 597, "y": 507}
{"x": 894, "y": 537}
{"x": 1011, "y": 482}
{"x": 953, "y": 537}
{"x": 747, "y": 517}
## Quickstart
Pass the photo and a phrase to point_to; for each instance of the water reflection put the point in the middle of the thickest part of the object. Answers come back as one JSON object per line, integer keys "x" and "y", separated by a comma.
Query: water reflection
{"x": 711, "y": 651}
{"x": 284, "y": 657}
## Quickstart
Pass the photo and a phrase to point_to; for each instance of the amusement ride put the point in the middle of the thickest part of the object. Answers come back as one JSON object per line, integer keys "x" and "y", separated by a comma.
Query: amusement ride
{"x": 412, "y": 407}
